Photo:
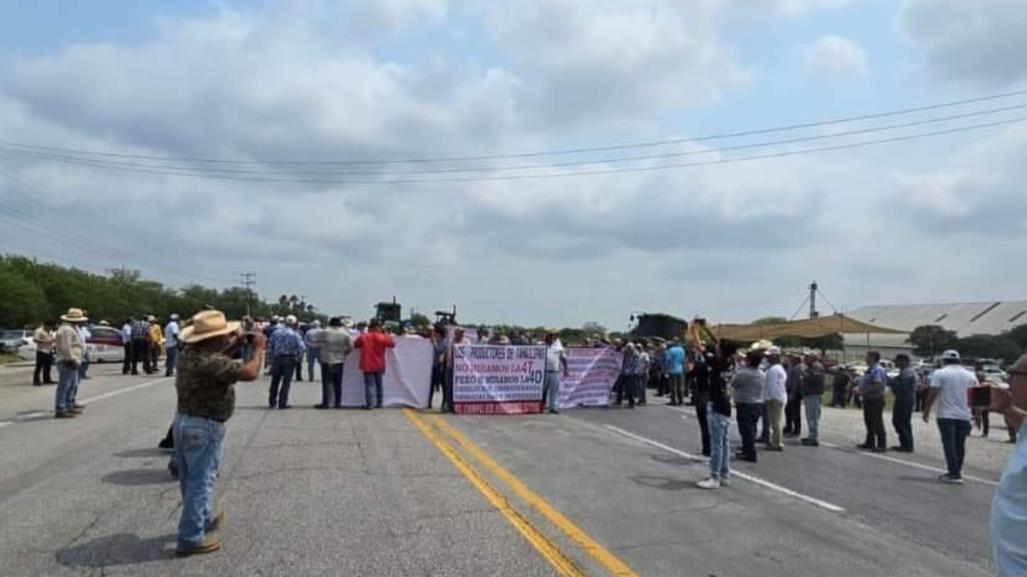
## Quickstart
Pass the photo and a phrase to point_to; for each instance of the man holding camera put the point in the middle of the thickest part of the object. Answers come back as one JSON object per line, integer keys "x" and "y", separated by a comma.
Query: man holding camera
{"x": 206, "y": 400}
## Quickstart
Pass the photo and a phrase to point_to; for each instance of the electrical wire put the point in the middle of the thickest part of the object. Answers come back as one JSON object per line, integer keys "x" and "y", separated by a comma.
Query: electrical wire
{"x": 557, "y": 152}
{"x": 177, "y": 168}
{"x": 519, "y": 177}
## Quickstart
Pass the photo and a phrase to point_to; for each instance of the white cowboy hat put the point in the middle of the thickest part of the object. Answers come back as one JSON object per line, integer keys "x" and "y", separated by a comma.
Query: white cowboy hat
{"x": 74, "y": 316}
{"x": 208, "y": 324}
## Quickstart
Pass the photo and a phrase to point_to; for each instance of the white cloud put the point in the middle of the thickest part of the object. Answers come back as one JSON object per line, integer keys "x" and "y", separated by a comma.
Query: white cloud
{"x": 979, "y": 40}
{"x": 834, "y": 57}
{"x": 253, "y": 84}
{"x": 797, "y": 7}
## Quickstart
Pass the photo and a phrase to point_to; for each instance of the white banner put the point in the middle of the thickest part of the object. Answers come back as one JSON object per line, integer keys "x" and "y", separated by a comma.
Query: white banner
{"x": 490, "y": 379}
{"x": 592, "y": 374}
{"x": 406, "y": 379}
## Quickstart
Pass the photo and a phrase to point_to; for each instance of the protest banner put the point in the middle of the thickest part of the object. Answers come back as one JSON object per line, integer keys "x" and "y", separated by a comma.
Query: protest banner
{"x": 406, "y": 379}
{"x": 592, "y": 372}
{"x": 491, "y": 379}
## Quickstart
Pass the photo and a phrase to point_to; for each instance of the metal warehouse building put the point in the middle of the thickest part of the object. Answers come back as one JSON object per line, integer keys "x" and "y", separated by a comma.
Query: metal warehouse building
{"x": 987, "y": 318}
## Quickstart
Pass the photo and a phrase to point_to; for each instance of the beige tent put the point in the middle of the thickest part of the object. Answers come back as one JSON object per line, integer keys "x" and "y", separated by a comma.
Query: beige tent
{"x": 808, "y": 328}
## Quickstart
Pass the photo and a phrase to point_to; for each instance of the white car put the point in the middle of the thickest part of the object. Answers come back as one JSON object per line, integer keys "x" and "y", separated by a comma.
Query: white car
{"x": 995, "y": 374}
{"x": 13, "y": 339}
{"x": 104, "y": 346}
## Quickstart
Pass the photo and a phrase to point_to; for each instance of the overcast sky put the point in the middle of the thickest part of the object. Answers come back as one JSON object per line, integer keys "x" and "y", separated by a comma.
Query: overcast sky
{"x": 925, "y": 220}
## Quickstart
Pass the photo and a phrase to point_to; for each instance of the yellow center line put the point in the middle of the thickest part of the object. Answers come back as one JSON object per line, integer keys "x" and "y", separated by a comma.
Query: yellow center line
{"x": 549, "y": 551}
{"x": 611, "y": 562}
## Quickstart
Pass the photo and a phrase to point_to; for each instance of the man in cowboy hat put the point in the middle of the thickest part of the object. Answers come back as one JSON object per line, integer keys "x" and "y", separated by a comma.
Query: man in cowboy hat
{"x": 206, "y": 400}
{"x": 70, "y": 350}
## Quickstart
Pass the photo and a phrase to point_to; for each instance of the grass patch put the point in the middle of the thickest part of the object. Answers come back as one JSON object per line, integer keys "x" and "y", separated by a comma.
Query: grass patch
{"x": 6, "y": 358}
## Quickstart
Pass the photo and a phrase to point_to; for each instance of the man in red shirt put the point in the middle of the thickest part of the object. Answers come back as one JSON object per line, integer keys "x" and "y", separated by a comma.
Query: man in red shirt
{"x": 372, "y": 345}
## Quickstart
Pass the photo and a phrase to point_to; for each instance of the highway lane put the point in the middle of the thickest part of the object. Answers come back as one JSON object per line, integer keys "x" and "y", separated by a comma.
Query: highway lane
{"x": 348, "y": 492}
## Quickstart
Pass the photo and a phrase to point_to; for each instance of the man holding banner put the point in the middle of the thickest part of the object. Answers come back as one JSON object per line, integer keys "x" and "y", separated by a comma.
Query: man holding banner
{"x": 556, "y": 364}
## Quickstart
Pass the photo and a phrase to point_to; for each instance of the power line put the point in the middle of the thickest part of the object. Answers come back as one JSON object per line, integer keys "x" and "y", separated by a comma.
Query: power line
{"x": 557, "y": 152}
{"x": 517, "y": 177}
{"x": 176, "y": 169}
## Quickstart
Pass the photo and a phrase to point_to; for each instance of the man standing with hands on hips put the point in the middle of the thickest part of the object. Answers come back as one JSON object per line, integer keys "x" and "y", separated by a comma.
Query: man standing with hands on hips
{"x": 206, "y": 400}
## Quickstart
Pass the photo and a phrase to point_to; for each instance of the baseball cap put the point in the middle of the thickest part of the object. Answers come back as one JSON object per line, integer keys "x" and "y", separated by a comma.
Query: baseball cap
{"x": 950, "y": 355}
{"x": 773, "y": 351}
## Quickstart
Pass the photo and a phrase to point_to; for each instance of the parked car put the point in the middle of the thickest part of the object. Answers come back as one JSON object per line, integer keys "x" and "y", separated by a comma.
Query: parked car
{"x": 12, "y": 339}
{"x": 104, "y": 345}
{"x": 995, "y": 374}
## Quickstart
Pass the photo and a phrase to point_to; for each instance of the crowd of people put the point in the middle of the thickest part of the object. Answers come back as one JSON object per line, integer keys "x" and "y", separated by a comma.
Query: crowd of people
{"x": 769, "y": 391}
{"x": 766, "y": 389}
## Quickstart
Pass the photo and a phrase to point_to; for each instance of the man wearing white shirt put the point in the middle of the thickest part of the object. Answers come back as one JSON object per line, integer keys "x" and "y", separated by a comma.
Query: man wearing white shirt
{"x": 556, "y": 365}
{"x": 775, "y": 395}
{"x": 949, "y": 386}
{"x": 171, "y": 346}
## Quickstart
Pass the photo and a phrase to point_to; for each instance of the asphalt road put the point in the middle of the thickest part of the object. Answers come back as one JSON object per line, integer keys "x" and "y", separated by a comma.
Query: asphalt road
{"x": 392, "y": 492}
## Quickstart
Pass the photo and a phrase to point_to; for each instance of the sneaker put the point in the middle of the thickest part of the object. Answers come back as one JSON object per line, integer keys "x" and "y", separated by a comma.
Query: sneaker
{"x": 709, "y": 483}
{"x": 951, "y": 480}
{"x": 75, "y": 411}
{"x": 209, "y": 544}
{"x": 724, "y": 482}
{"x": 809, "y": 442}
{"x": 64, "y": 415}
{"x": 78, "y": 406}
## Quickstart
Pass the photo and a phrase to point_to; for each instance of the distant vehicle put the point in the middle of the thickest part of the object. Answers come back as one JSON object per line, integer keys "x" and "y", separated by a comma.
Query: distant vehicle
{"x": 12, "y": 339}
{"x": 104, "y": 345}
{"x": 889, "y": 368}
{"x": 995, "y": 374}
{"x": 858, "y": 369}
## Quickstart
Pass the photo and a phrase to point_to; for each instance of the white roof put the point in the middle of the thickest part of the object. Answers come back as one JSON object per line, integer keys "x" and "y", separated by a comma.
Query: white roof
{"x": 984, "y": 318}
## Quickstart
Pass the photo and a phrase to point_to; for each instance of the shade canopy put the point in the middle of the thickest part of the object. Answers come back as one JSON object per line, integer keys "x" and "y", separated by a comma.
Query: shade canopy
{"x": 807, "y": 328}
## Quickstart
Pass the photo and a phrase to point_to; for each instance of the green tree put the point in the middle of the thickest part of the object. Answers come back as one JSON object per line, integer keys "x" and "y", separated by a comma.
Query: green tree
{"x": 989, "y": 347}
{"x": 23, "y": 304}
{"x": 1019, "y": 336}
{"x": 929, "y": 340}
{"x": 420, "y": 321}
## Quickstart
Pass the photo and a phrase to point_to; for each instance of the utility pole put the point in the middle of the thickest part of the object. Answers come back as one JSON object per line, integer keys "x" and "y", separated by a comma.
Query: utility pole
{"x": 813, "y": 301}
{"x": 249, "y": 279}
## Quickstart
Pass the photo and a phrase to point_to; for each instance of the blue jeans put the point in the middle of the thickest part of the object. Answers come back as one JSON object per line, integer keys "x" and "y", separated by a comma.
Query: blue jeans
{"x": 312, "y": 355}
{"x": 331, "y": 385}
{"x": 372, "y": 381}
{"x": 901, "y": 419}
{"x": 553, "y": 390}
{"x": 813, "y": 415}
{"x": 720, "y": 447}
{"x": 82, "y": 368}
{"x": 282, "y": 370}
{"x": 171, "y": 362}
{"x": 67, "y": 384}
{"x": 198, "y": 453}
{"x": 748, "y": 416}
{"x": 953, "y": 438}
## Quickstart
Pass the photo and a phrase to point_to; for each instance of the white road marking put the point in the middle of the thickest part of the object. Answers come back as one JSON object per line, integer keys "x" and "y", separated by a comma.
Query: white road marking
{"x": 735, "y": 473}
{"x": 107, "y": 395}
{"x": 913, "y": 464}
{"x": 909, "y": 464}
{"x": 125, "y": 390}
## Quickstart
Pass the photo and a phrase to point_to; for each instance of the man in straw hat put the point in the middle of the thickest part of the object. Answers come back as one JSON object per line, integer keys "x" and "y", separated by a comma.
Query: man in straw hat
{"x": 70, "y": 352}
{"x": 206, "y": 400}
